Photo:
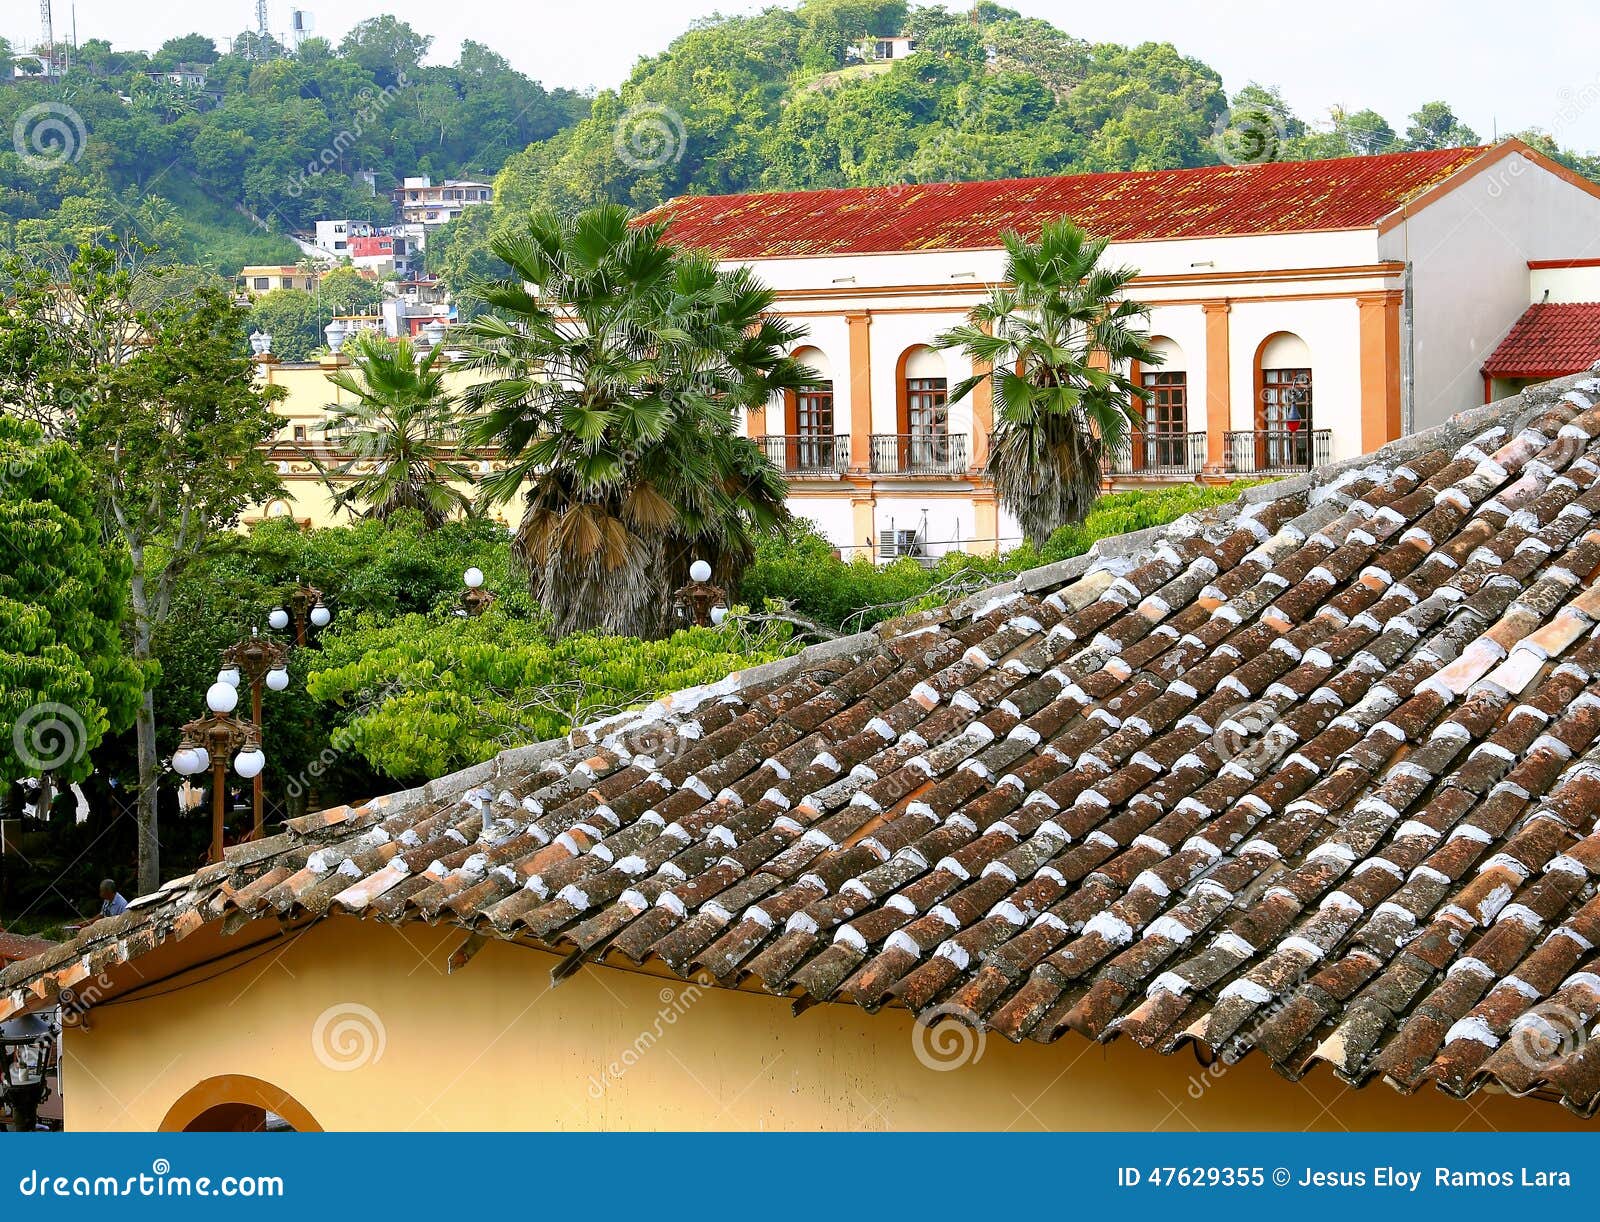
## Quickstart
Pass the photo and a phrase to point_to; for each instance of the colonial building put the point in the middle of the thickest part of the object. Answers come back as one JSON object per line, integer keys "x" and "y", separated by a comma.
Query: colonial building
{"x": 1308, "y": 312}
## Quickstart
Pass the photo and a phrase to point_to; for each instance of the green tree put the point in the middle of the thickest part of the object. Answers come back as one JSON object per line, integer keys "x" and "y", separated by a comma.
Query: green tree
{"x": 386, "y": 47}
{"x": 1435, "y": 126}
{"x": 158, "y": 395}
{"x": 292, "y": 319}
{"x": 613, "y": 396}
{"x": 65, "y": 677}
{"x": 401, "y": 434}
{"x": 344, "y": 290}
{"x": 1056, "y": 345}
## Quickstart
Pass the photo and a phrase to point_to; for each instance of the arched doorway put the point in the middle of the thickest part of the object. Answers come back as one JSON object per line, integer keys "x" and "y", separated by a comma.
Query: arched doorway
{"x": 1283, "y": 408}
{"x": 235, "y": 1103}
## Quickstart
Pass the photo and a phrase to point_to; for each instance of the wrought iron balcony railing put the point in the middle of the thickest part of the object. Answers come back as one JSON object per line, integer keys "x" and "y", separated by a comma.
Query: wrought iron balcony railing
{"x": 919, "y": 454}
{"x": 808, "y": 453}
{"x": 1157, "y": 454}
{"x": 1276, "y": 452}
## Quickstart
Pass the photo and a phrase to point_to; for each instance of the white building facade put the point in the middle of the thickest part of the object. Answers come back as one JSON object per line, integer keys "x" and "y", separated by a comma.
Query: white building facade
{"x": 1323, "y": 318}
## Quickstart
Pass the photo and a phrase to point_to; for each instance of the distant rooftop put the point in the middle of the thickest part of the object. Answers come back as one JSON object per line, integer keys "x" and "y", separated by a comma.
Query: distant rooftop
{"x": 1225, "y": 200}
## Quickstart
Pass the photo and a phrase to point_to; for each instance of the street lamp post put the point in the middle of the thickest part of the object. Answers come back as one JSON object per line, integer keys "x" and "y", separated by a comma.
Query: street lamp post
{"x": 305, "y": 606}
{"x": 475, "y": 600}
{"x": 207, "y": 742}
{"x": 699, "y": 600}
{"x": 260, "y": 663}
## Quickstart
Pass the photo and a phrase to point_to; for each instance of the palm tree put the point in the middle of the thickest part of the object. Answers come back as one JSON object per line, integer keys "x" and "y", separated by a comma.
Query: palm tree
{"x": 1057, "y": 342}
{"x": 617, "y": 368}
{"x": 400, "y": 434}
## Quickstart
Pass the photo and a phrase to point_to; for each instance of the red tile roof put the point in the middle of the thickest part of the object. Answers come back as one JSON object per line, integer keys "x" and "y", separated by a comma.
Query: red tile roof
{"x": 1314, "y": 776}
{"x": 15, "y": 947}
{"x": 1549, "y": 341}
{"x": 1279, "y": 197}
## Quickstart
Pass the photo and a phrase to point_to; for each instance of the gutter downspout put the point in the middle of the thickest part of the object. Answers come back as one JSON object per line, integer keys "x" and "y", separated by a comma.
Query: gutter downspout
{"x": 1408, "y": 367}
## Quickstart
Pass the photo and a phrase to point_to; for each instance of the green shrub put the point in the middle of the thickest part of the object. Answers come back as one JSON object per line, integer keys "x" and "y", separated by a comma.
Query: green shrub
{"x": 806, "y": 574}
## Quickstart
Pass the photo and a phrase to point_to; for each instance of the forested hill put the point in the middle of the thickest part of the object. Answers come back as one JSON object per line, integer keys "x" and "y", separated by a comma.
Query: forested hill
{"x": 276, "y": 134}
{"x": 775, "y": 99}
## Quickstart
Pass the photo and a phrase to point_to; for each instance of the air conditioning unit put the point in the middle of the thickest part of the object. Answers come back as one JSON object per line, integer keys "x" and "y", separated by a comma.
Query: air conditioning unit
{"x": 892, "y": 544}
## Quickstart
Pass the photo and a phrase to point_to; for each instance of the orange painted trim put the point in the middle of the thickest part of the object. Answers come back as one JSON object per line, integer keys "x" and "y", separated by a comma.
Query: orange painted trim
{"x": 1541, "y": 265}
{"x": 1346, "y": 294}
{"x": 1218, "y": 393}
{"x": 1379, "y": 369}
{"x": 860, "y": 323}
{"x": 236, "y": 1089}
{"x": 902, "y": 393}
{"x": 1472, "y": 169}
{"x": 981, "y": 289}
{"x": 1488, "y": 388}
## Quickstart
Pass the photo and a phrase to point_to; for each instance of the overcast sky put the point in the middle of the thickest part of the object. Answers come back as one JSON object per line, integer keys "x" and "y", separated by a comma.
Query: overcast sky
{"x": 1529, "y": 64}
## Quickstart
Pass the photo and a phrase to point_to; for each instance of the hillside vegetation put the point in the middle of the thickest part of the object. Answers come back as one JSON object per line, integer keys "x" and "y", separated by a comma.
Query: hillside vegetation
{"x": 770, "y": 100}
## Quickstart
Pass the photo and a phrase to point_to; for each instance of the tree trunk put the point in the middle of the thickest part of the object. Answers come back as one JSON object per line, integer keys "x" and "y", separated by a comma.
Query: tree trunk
{"x": 145, "y": 725}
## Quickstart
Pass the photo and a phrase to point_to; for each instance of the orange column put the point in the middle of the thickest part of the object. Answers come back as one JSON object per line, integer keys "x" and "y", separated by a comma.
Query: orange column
{"x": 756, "y": 421}
{"x": 860, "y": 389}
{"x": 1218, "y": 395}
{"x": 982, "y": 414}
{"x": 1380, "y": 369}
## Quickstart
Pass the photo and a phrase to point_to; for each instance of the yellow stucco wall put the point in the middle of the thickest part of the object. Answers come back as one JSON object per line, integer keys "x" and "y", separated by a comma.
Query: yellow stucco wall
{"x": 364, "y": 1027}
{"x": 310, "y": 394}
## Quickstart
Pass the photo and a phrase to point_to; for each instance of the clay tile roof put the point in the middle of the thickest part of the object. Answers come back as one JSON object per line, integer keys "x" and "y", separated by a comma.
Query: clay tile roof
{"x": 15, "y": 946}
{"x": 1277, "y": 197}
{"x": 1314, "y": 777}
{"x": 1549, "y": 340}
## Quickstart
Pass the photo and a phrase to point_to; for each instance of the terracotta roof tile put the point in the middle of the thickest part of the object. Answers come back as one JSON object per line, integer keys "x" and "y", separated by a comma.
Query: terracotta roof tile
{"x": 1314, "y": 777}
{"x": 1277, "y": 197}
{"x": 1549, "y": 340}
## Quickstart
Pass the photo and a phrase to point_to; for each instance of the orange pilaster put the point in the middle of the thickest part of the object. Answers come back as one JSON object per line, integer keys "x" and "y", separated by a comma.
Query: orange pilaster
{"x": 1218, "y": 397}
{"x": 1380, "y": 369}
{"x": 860, "y": 322}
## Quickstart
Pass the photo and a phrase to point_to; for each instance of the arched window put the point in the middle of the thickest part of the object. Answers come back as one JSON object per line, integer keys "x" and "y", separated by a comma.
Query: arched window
{"x": 1164, "y": 443}
{"x": 236, "y": 1103}
{"x": 1283, "y": 420}
{"x": 811, "y": 442}
{"x": 922, "y": 444}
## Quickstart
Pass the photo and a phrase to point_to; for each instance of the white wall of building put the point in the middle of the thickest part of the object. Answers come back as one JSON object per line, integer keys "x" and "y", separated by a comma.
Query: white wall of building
{"x": 1564, "y": 285}
{"x": 1469, "y": 250}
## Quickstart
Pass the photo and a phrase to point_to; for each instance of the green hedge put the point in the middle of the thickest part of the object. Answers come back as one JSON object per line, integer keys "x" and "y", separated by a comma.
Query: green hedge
{"x": 807, "y": 573}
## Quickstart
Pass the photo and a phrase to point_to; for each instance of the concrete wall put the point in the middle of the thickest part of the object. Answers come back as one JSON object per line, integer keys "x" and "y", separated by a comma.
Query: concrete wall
{"x": 1469, "y": 250}
{"x": 360, "y": 1026}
